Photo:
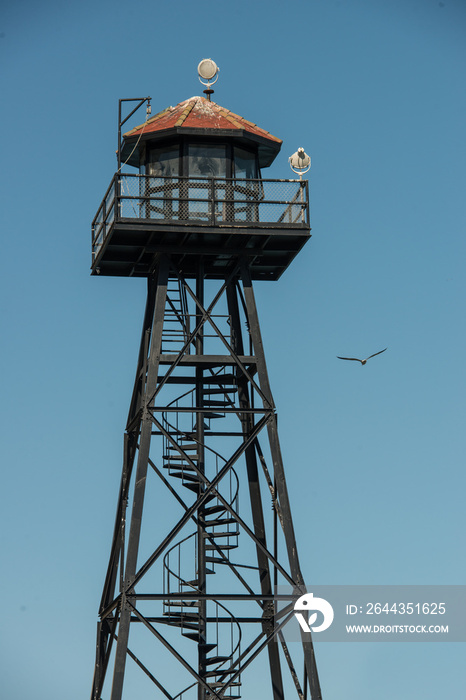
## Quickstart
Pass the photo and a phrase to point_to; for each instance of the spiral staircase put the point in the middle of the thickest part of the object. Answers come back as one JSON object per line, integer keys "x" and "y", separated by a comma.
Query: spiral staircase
{"x": 219, "y": 533}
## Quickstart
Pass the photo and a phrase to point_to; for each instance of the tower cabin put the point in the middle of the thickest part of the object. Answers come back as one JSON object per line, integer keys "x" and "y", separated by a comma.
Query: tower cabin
{"x": 198, "y": 192}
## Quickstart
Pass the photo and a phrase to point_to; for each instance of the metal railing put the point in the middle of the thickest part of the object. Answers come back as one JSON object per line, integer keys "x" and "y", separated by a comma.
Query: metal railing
{"x": 203, "y": 201}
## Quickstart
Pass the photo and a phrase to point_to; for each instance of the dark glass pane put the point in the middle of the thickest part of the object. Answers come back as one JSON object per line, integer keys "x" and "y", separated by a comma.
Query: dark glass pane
{"x": 206, "y": 160}
{"x": 244, "y": 164}
{"x": 164, "y": 162}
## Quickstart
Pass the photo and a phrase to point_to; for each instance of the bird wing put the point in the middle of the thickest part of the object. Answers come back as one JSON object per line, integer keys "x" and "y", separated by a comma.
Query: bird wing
{"x": 376, "y": 353}
{"x": 349, "y": 358}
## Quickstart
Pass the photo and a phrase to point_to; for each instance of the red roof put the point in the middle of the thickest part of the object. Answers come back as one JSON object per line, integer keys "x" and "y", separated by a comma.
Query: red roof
{"x": 199, "y": 113}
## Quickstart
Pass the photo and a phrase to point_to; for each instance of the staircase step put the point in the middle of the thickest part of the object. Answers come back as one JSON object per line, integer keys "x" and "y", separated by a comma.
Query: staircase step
{"x": 216, "y": 560}
{"x": 182, "y": 604}
{"x": 192, "y": 487}
{"x": 192, "y": 635}
{"x": 214, "y": 509}
{"x": 172, "y": 464}
{"x": 195, "y": 487}
{"x": 223, "y": 534}
{"x": 209, "y": 498}
{"x": 213, "y": 415}
{"x": 219, "y": 521}
{"x": 220, "y": 378}
{"x": 185, "y": 446}
{"x": 221, "y": 672}
{"x": 216, "y": 659}
{"x": 219, "y": 390}
{"x": 176, "y": 457}
{"x": 185, "y": 467}
{"x": 196, "y": 638}
{"x": 183, "y": 475}
{"x": 223, "y": 546}
{"x": 185, "y": 624}
{"x": 181, "y": 469}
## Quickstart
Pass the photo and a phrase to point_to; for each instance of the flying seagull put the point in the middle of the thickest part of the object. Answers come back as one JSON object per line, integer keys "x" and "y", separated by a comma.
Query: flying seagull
{"x": 363, "y": 362}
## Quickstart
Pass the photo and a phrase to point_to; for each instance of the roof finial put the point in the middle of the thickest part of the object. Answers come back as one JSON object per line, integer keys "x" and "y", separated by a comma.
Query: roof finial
{"x": 208, "y": 70}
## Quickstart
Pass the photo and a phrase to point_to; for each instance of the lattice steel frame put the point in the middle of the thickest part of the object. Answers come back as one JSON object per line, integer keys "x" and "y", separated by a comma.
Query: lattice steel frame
{"x": 120, "y": 608}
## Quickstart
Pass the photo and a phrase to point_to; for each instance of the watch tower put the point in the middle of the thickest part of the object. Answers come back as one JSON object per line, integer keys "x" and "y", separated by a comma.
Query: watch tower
{"x": 203, "y": 530}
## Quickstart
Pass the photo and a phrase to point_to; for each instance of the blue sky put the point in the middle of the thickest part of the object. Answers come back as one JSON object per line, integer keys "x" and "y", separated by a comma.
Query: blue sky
{"x": 374, "y": 91}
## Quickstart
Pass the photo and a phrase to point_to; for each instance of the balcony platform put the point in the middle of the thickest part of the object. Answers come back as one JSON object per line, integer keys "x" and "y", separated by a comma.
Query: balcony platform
{"x": 218, "y": 221}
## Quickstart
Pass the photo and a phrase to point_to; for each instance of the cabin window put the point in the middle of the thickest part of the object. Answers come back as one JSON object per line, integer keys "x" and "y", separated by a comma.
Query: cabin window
{"x": 206, "y": 160}
{"x": 164, "y": 162}
{"x": 244, "y": 164}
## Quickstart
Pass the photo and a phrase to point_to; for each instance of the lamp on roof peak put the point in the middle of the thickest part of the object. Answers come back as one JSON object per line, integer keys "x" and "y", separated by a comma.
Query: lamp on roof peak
{"x": 207, "y": 70}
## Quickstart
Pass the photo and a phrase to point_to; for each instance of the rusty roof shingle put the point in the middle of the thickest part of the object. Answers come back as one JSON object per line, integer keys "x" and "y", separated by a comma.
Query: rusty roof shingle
{"x": 199, "y": 113}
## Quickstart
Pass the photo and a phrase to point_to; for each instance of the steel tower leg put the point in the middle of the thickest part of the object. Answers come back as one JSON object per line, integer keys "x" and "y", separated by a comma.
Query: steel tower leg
{"x": 140, "y": 483}
{"x": 200, "y": 405}
{"x": 282, "y": 491}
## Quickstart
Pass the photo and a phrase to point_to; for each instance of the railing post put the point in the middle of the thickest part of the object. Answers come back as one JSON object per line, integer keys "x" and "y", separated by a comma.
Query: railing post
{"x": 104, "y": 219}
{"x": 303, "y": 200}
{"x": 308, "y": 217}
{"x": 117, "y": 196}
{"x": 212, "y": 201}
